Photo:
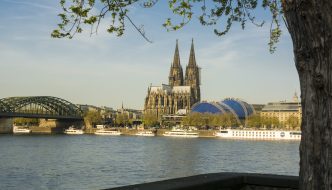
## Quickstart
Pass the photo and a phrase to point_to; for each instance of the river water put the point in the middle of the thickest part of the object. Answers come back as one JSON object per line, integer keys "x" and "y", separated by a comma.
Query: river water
{"x": 96, "y": 162}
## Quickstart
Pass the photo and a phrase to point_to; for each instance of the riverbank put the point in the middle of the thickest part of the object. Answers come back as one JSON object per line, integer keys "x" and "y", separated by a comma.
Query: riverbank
{"x": 238, "y": 134}
{"x": 124, "y": 131}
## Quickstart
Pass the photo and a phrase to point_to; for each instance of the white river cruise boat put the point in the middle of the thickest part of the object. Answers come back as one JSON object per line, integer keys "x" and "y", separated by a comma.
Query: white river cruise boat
{"x": 180, "y": 133}
{"x": 145, "y": 133}
{"x": 19, "y": 130}
{"x": 73, "y": 131}
{"x": 108, "y": 132}
{"x": 259, "y": 134}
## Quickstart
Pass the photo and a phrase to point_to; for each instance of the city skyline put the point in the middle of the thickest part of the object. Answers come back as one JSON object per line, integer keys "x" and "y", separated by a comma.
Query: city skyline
{"x": 105, "y": 70}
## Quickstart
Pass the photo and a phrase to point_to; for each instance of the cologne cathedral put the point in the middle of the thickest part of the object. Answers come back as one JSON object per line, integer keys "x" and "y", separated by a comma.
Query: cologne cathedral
{"x": 181, "y": 93}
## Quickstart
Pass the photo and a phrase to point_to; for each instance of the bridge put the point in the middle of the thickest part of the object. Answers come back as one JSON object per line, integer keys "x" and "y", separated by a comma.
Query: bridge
{"x": 46, "y": 107}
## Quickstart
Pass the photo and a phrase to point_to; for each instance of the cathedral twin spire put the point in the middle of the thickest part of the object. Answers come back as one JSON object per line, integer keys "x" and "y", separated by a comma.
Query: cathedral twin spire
{"x": 176, "y": 73}
{"x": 179, "y": 96}
{"x": 192, "y": 59}
{"x": 176, "y": 60}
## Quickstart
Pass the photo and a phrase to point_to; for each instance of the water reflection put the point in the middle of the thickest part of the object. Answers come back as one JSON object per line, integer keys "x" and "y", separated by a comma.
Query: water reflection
{"x": 94, "y": 162}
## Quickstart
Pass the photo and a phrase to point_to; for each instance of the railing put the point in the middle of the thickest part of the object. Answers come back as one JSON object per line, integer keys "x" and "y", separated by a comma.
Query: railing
{"x": 221, "y": 181}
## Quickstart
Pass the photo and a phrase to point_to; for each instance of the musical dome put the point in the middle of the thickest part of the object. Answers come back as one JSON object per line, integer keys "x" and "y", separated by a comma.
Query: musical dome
{"x": 239, "y": 108}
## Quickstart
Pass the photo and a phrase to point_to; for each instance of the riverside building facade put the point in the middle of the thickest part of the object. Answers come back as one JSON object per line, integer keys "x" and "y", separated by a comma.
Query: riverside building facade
{"x": 181, "y": 92}
{"x": 283, "y": 110}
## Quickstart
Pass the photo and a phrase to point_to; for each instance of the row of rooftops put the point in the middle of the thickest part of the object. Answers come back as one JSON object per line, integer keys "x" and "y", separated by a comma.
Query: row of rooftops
{"x": 164, "y": 88}
{"x": 282, "y": 106}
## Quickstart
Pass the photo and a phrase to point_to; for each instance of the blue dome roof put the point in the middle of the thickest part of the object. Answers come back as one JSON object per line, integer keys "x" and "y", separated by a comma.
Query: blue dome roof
{"x": 236, "y": 106}
{"x": 249, "y": 108}
{"x": 239, "y": 108}
{"x": 206, "y": 107}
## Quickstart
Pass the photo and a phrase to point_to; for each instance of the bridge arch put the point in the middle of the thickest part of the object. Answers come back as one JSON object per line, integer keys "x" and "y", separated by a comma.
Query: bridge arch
{"x": 39, "y": 106}
{"x": 4, "y": 107}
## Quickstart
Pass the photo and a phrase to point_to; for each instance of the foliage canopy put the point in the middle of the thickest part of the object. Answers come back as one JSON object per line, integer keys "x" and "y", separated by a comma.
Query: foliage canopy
{"x": 93, "y": 117}
{"x": 150, "y": 120}
{"x": 219, "y": 13}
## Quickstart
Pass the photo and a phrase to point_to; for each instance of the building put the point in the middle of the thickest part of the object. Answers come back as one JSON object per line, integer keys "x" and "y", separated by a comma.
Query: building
{"x": 107, "y": 113}
{"x": 240, "y": 109}
{"x": 181, "y": 92}
{"x": 258, "y": 107}
{"x": 283, "y": 110}
{"x": 134, "y": 115}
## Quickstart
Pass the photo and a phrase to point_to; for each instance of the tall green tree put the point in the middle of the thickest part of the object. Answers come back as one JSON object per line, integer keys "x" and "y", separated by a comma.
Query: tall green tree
{"x": 187, "y": 120}
{"x": 93, "y": 118}
{"x": 199, "y": 119}
{"x": 209, "y": 119}
{"x": 150, "y": 120}
{"x": 26, "y": 121}
{"x": 292, "y": 122}
{"x": 270, "y": 122}
{"x": 215, "y": 120}
{"x": 254, "y": 121}
{"x": 122, "y": 119}
{"x": 228, "y": 120}
{"x": 309, "y": 23}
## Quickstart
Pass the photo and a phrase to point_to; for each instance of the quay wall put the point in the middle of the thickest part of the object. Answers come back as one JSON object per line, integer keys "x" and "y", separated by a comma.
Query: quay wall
{"x": 6, "y": 125}
{"x": 159, "y": 132}
{"x": 52, "y": 126}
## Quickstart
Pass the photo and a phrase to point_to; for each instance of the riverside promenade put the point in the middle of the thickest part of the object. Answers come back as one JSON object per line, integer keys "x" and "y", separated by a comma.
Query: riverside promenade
{"x": 124, "y": 131}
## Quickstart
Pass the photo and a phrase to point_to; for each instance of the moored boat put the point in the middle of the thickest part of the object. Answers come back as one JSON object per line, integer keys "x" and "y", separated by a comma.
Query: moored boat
{"x": 259, "y": 134}
{"x": 19, "y": 130}
{"x": 73, "y": 131}
{"x": 180, "y": 133}
{"x": 108, "y": 132}
{"x": 145, "y": 133}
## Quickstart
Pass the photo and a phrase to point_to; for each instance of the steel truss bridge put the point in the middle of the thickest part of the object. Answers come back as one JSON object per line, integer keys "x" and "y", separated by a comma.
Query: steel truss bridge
{"x": 47, "y": 107}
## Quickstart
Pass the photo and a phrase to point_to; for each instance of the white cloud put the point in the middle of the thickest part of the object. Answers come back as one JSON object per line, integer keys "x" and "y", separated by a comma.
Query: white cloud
{"x": 36, "y": 5}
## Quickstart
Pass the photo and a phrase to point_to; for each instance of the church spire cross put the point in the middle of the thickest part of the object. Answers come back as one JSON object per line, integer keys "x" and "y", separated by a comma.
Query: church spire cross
{"x": 192, "y": 59}
{"x": 176, "y": 73}
{"x": 176, "y": 60}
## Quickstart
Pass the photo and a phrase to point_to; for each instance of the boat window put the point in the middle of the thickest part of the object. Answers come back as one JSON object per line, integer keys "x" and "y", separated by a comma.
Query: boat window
{"x": 223, "y": 131}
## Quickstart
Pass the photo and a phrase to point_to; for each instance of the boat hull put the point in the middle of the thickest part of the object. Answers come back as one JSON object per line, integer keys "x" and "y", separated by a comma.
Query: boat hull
{"x": 22, "y": 132}
{"x": 145, "y": 135}
{"x": 74, "y": 133}
{"x": 17, "y": 130}
{"x": 259, "y": 135}
{"x": 181, "y": 135}
{"x": 108, "y": 134}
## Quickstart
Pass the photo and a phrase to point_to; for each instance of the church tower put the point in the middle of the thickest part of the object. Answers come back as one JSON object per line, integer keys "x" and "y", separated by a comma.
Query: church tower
{"x": 176, "y": 73}
{"x": 192, "y": 78}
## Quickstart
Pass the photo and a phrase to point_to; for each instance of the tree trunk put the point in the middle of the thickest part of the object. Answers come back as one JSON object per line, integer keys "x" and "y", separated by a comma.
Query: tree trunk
{"x": 310, "y": 25}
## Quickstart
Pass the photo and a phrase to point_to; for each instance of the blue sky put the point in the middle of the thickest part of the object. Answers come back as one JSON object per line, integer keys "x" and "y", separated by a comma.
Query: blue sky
{"x": 108, "y": 70}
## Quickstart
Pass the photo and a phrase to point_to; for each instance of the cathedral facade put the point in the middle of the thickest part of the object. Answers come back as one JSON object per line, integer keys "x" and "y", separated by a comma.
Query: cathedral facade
{"x": 181, "y": 92}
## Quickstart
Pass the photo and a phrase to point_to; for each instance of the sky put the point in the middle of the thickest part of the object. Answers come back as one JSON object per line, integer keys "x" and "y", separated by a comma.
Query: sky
{"x": 105, "y": 70}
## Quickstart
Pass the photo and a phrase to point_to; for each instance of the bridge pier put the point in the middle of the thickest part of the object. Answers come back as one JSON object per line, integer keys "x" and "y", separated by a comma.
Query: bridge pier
{"x": 61, "y": 125}
{"x": 54, "y": 125}
{"x": 6, "y": 125}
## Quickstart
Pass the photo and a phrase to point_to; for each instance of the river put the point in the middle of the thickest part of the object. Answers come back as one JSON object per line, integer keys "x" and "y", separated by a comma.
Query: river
{"x": 96, "y": 162}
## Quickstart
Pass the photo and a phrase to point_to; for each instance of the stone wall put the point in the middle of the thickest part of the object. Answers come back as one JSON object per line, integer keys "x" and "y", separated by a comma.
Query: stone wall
{"x": 6, "y": 125}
